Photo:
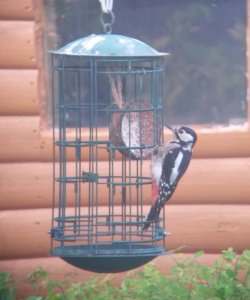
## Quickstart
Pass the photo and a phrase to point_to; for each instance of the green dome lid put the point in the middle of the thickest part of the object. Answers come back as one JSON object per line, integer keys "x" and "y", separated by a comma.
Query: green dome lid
{"x": 108, "y": 45}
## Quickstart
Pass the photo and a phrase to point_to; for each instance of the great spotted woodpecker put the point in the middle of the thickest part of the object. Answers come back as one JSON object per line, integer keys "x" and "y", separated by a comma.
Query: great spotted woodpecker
{"x": 169, "y": 163}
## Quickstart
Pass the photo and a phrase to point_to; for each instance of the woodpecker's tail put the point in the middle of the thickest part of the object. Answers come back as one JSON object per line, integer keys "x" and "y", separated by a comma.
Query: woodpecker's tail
{"x": 153, "y": 215}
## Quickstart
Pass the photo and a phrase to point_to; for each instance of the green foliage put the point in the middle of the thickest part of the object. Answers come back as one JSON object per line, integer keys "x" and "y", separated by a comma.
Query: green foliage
{"x": 7, "y": 287}
{"x": 228, "y": 278}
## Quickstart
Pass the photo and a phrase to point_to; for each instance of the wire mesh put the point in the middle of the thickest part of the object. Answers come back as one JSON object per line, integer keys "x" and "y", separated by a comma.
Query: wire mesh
{"x": 107, "y": 119}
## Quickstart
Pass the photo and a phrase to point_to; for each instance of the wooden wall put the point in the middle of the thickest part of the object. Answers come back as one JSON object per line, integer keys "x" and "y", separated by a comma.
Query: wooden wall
{"x": 210, "y": 209}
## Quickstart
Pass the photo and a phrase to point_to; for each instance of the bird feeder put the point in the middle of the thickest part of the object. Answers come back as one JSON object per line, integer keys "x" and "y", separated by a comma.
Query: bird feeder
{"x": 107, "y": 95}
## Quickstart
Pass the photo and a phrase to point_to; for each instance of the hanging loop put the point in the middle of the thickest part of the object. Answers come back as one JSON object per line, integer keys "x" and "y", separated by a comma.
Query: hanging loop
{"x": 107, "y": 15}
{"x": 107, "y": 20}
{"x": 107, "y": 5}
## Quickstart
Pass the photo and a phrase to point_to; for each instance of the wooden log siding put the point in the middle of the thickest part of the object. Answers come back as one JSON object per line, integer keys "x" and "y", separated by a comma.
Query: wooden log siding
{"x": 18, "y": 90}
{"x": 210, "y": 144}
{"x": 16, "y": 10}
{"x": 20, "y": 138}
{"x": 207, "y": 181}
{"x": 18, "y": 130}
{"x": 25, "y": 233}
{"x": 17, "y": 44}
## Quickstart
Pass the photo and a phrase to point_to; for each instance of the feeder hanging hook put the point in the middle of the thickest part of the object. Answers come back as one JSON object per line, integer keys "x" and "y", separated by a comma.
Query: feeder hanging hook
{"x": 107, "y": 13}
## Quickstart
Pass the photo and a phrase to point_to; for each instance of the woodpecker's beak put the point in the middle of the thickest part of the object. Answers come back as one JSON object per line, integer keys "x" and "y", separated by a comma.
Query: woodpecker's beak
{"x": 172, "y": 129}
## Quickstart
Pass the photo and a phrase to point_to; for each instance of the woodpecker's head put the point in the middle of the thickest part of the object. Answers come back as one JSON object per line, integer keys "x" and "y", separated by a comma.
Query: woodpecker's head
{"x": 185, "y": 135}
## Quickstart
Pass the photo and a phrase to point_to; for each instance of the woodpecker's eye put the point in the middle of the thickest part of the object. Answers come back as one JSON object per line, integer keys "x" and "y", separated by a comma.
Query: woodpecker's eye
{"x": 181, "y": 131}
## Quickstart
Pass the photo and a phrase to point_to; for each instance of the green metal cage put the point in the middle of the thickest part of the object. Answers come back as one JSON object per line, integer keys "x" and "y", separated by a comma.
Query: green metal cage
{"x": 107, "y": 93}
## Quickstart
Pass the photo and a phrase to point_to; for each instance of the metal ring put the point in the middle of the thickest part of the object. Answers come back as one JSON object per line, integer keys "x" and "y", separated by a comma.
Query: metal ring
{"x": 107, "y": 26}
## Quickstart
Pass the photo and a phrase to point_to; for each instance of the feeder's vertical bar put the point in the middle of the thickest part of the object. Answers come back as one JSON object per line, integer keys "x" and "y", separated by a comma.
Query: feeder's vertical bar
{"x": 130, "y": 197}
{"x": 132, "y": 80}
{"x": 130, "y": 185}
{"x": 93, "y": 109}
{"x": 110, "y": 217}
{"x": 129, "y": 96}
{"x": 60, "y": 175}
{"x": 112, "y": 190}
{"x": 79, "y": 139}
{"x": 141, "y": 189}
{"x": 139, "y": 97}
{"x": 138, "y": 89}
{"x": 123, "y": 192}
{"x": 60, "y": 147}
{"x": 155, "y": 84}
{"x": 108, "y": 220}
{"x": 54, "y": 147}
{"x": 108, "y": 146}
{"x": 112, "y": 177}
{"x": 137, "y": 194}
{"x": 80, "y": 102}
{"x": 76, "y": 146}
{"x": 141, "y": 162}
{"x": 154, "y": 99}
{"x": 64, "y": 148}
{"x": 92, "y": 200}
{"x": 158, "y": 106}
{"x": 62, "y": 140}
{"x": 154, "y": 104}
{"x": 162, "y": 83}
{"x": 96, "y": 150}
{"x": 90, "y": 195}
{"x": 141, "y": 149}
{"x": 140, "y": 114}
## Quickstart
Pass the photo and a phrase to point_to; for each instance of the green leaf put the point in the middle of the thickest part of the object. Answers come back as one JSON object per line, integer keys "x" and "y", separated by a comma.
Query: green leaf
{"x": 199, "y": 254}
{"x": 229, "y": 254}
{"x": 231, "y": 274}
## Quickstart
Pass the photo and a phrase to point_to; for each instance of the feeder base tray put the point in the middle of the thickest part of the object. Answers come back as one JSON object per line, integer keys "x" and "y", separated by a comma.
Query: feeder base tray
{"x": 108, "y": 258}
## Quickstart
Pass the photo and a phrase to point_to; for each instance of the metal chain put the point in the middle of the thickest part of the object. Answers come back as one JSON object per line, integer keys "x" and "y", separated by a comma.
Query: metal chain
{"x": 107, "y": 16}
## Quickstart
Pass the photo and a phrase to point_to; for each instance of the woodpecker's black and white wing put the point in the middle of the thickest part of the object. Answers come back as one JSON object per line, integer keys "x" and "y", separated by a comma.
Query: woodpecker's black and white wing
{"x": 174, "y": 165}
{"x": 158, "y": 159}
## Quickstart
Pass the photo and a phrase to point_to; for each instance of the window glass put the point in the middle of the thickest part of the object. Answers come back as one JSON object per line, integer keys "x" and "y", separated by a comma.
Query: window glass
{"x": 206, "y": 39}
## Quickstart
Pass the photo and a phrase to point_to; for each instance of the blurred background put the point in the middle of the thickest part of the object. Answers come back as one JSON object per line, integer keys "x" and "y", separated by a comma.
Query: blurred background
{"x": 206, "y": 71}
